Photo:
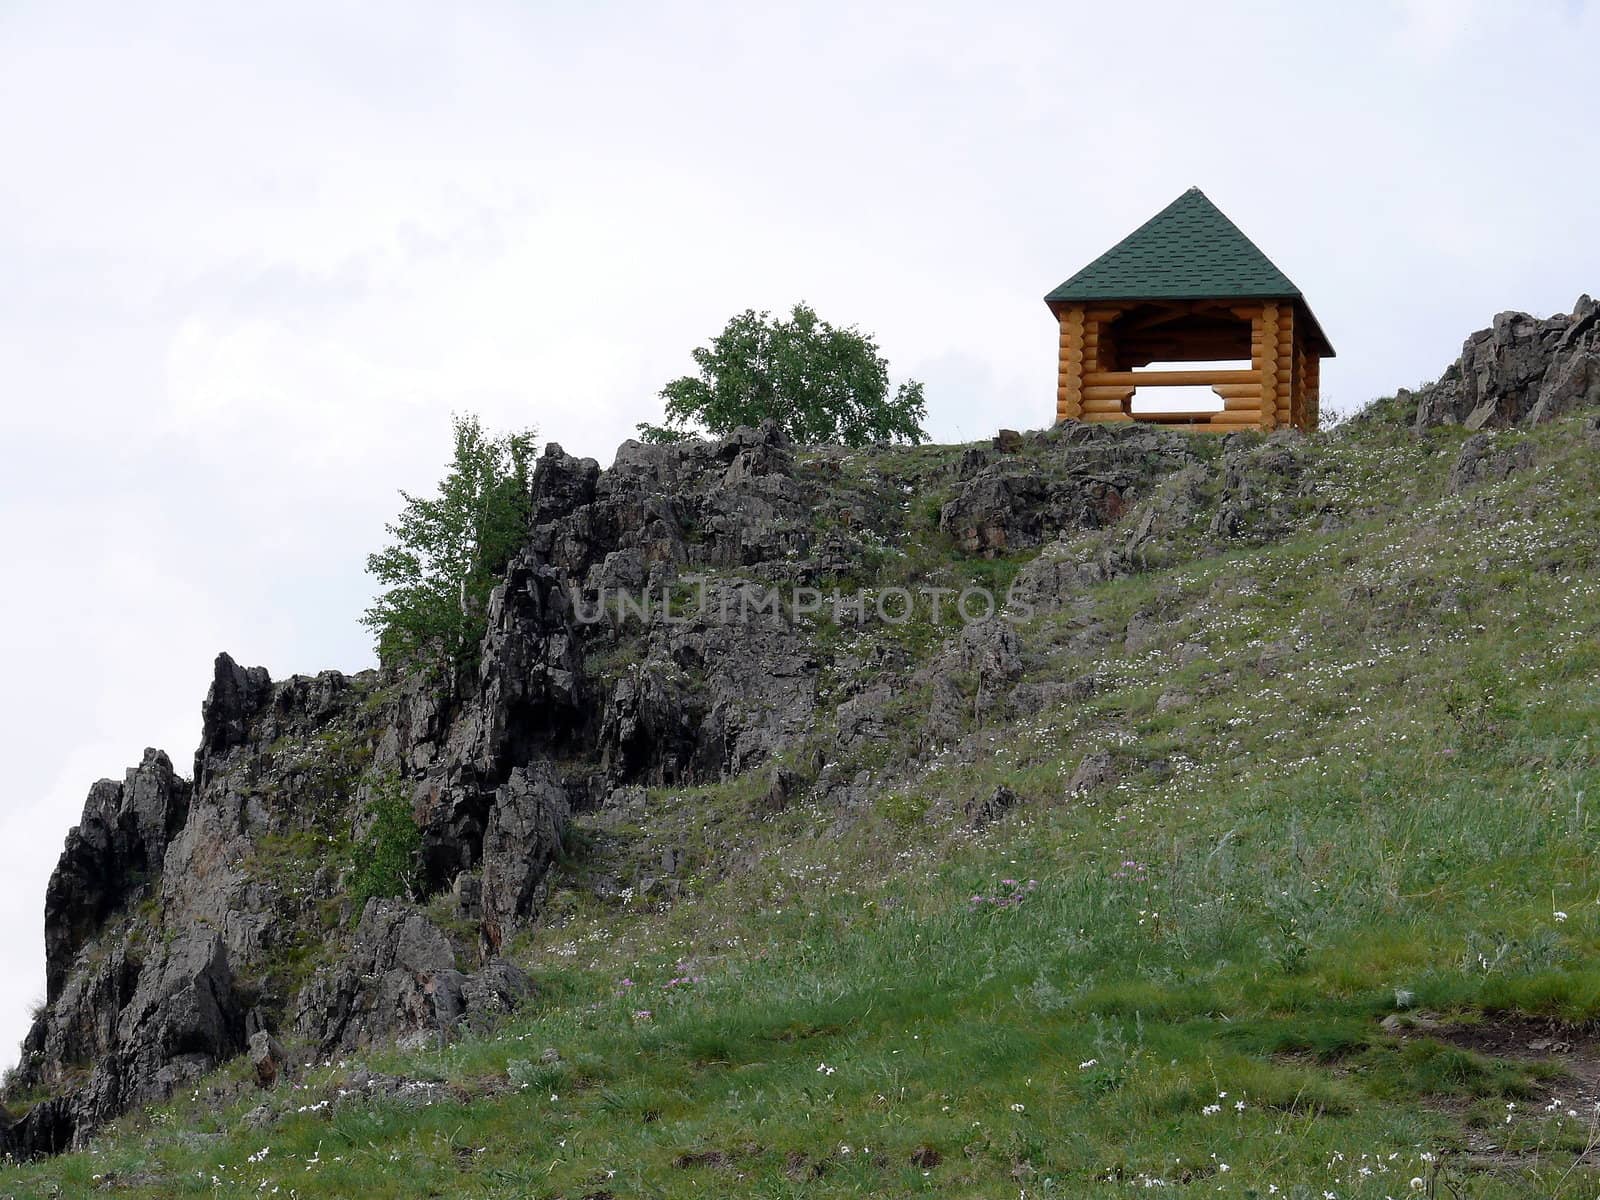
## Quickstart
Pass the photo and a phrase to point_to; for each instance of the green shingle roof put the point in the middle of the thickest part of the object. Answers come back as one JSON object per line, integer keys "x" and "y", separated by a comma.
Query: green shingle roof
{"x": 1187, "y": 251}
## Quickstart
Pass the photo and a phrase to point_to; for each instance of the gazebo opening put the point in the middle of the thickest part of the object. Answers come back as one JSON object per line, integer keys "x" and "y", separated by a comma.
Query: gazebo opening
{"x": 1187, "y": 314}
{"x": 1148, "y": 403}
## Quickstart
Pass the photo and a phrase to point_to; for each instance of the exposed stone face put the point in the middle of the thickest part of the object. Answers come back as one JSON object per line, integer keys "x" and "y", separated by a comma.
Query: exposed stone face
{"x": 1520, "y": 369}
{"x": 161, "y": 919}
{"x": 1098, "y": 769}
{"x": 399, "y": 980}
{"x": 237, "y": 694}
{"x": 981, "y": 810}
{"x": 268, "y": 1059}
{"x": 115, "y": 853}
{"x": 1481, "y": 461}
{"x": 524, "y": 835}
{"x": 48, "y": 1128}
{"x": 184, "y": 1019}
{"x": 1007, "y": 505}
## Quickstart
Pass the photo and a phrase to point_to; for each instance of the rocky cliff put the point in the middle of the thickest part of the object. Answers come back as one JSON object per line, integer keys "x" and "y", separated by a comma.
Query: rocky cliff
{"x": 788, "y": 637}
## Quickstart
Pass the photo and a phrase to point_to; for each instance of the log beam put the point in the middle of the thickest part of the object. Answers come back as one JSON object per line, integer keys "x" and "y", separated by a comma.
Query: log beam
{"x": 1284, "y": 417}
{"x": 1140, "y": 379}
{"x": 1313, "y": 399}
{"x": 1069, "y": 382}
{"x": 1265, "y": 362}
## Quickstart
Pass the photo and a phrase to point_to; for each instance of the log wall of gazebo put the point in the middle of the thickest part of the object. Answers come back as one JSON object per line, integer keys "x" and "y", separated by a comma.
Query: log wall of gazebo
{"x": 1102, "y": 344}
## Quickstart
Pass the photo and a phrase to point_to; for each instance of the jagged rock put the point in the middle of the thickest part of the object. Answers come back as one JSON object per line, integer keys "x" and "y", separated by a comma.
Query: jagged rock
{"x": 1259, "y": 478}
{"x": 1030, "y": 698}
{"x": 400, "y": 981}
{"x": 529, "y": 700}
{"x": 399, "y": 977}
{"x": 992, "y": 649}
{"x": 651, "y": 725}
{"x": 530, "y": 689}
{"x": 112, "y": 856}
{"x": 1170, "y": 509}
{"x": 1143, "y": 630}
{"x": 184, "y": 1019}
{"x": 150, "y": 1028}
{"x": 268, "y": 1059}
{"x": 196, "y": 938}
{"x": 1481, "y": 460}
{"x": 468, "y": 894}
{"x": 864, "y": 718}
{"x": 81, "y": 1024}
{"x": 625, "y": 803}
{"x": 237, "y": 694}
{"x": 783, "y": 785}
{"x": 1097, "y": 769}
{"x": 973, "y": 461}
{"x": 1055, "y": 578}
{"x": 1225, "y": 522}
{"x": 1008, "y": 441}
{"x": 1009, "y": 506}
{"x": 561, "y": 484}
{"x": 49, "y": 1127}
{"x": 981, "y": 810}
{"x": 717, "y": 695}
{"x": 1521, "y": 368}
{"x": 524, "y": 836}
{"x": 413, "y": 1093}
{"x": 496, "y": 990}
{"x": 1274, "y": 656}
{"x": 988, "y": 652}
{"x": 1012, "y": 505}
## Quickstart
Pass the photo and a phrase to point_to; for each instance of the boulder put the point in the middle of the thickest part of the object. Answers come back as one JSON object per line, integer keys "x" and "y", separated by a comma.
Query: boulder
{"x": 268, "y": 1059}
{"x": 185, "y": 1018}
{"x": 1008, "y": 441}
{"x": 1096, "y": 770}
{"x": 1482, "y": 460}
{"x": 982, "y": 809}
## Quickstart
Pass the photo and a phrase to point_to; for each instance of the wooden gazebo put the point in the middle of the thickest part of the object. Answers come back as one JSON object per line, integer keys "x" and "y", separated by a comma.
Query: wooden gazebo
{"x": 1188, "y": 286}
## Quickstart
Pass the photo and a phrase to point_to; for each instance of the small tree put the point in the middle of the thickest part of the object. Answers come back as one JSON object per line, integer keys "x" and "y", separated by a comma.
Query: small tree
{"x": 387, "y": 859}
{"x": 819, "y": 383}
{"x": 451, "y": 549}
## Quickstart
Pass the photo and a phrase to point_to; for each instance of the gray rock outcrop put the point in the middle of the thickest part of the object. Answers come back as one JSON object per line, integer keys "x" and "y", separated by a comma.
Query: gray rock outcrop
{"x": 1522, "y": 369}
{"x": 1481, "y": 460}
{"x": 114, "y": 854}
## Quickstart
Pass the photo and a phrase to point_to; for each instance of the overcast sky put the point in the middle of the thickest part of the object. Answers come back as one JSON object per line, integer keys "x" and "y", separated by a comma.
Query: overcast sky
{"x": 252, "y": 257}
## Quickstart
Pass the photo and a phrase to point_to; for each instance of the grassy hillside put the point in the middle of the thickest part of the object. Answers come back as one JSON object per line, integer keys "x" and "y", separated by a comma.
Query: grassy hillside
{"x": 1326, "y": 926}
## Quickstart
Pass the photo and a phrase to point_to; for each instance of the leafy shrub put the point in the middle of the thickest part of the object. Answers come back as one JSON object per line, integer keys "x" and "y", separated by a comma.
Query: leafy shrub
{"x": 387, "y": 859}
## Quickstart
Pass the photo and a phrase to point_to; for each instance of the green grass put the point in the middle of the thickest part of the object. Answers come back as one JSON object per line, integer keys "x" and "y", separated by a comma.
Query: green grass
{"x": 1378, "y": 799}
